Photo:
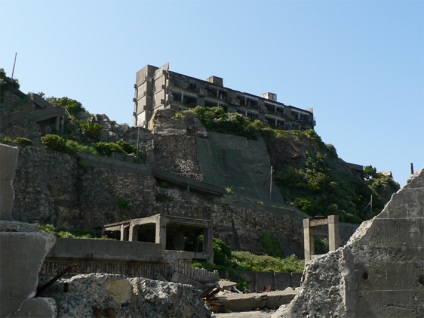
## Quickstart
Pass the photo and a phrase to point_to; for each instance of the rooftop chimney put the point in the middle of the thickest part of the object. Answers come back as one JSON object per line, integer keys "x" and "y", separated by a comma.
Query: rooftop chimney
{"x": 270, "y": 96}
{"x": 216, "y": 80}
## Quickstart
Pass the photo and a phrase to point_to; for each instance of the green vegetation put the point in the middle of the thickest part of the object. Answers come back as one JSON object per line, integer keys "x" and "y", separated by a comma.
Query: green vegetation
{"x": 316, "y": 181}
{"x": 236, "y": 261}
{"x": 319, "y": 183}
{"x": 216, "y": 119}
{"x": 58, "y": 143}
{"x": 73, "y": 106}
{"x": 124, "y": 207}
{"x": 271, "y": 245}
{"x": 19, "y": 140}
{"x": 23, "y": 141}
{"x": 67, "y": 233}
{"x": 90, "y": 130}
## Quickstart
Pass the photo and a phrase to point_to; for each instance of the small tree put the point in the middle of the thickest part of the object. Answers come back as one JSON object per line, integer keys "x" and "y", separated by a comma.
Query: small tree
{"x": 369, "y": 172}
{"x": 90, "y": 130}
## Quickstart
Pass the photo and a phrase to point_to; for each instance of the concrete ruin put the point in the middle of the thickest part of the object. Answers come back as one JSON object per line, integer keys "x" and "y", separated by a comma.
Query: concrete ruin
{"x": 332, "y": 221}
{"x": 22, "y": 251}
{"x": 378, "y": 273}
{"x": 171, "y": 232}
{"x": 159, "y": 88}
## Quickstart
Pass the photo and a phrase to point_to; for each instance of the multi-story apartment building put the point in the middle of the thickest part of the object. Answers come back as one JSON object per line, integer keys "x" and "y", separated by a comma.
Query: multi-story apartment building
{"x": 159, "y": 88}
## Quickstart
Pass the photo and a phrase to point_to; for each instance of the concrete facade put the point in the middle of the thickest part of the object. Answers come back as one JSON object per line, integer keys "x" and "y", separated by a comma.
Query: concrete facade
{"x": 159, "y": 88}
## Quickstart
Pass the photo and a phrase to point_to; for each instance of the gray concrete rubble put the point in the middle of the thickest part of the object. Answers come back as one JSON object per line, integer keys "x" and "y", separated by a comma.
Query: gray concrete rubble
{"x": 22, "y": 251}
{"x": 378, "y": 273}
{"x": 108, "y": 295}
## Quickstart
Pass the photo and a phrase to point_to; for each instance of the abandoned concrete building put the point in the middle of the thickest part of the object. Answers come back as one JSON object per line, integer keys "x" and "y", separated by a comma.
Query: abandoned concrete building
{"x": 159, "y": 88}
{"x": 171, "y": 232}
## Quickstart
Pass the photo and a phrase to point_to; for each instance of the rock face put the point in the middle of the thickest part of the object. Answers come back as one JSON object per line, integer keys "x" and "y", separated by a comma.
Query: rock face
{"x": 379, "y": 273}
{"x": 103, "y": 295}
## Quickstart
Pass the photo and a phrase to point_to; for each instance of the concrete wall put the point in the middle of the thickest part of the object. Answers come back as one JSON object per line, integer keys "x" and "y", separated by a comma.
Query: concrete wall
{"x": 106, "y": 250}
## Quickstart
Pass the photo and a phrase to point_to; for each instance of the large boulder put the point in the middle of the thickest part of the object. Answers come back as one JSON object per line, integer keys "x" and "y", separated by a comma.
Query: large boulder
{"x": 380, "y": 271}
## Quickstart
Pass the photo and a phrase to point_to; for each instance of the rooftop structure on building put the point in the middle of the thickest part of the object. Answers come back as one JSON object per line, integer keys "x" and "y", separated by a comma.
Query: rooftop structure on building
{"x": 159, "y": 88}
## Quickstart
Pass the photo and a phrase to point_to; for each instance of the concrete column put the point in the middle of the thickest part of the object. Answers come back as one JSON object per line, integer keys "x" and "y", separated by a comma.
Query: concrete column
{"x": 307, "y": 240}
{"x": 131, "y": 232}
{"x": 208, "y": 246}
{"x": 121, "y": 231}
{"x": 160, "y": 237}
{"x": 57, "y": 123}
{"x": 333, "y": 232}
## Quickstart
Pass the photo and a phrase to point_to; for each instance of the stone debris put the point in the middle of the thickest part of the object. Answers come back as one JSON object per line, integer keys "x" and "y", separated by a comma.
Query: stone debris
{"x": 378, "y": 273}
{"x": 108, "y": 295}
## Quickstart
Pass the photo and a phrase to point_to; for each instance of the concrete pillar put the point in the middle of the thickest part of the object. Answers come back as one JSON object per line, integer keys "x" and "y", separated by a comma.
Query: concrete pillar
{"x": 160, "y": 237}
{"x": 131, "y": 232}
{"x": 208, "y": 246}
{"x": 307, "y": 240}
{"x": 121, "y": 231}
{"x": 333, "y": 232}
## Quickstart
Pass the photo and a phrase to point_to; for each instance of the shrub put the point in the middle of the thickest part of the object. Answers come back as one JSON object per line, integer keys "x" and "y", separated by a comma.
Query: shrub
{"x": 124, "y": 206}
{"x": 271, "y": 246}
{"x": 90, "y": 130}
{"x": 73, "y": 106}
{"x": 106, "y": 148}
{"x": 23, "y": 141}
{"x": 126, "y": 146}
{"x": 54, "y": 142}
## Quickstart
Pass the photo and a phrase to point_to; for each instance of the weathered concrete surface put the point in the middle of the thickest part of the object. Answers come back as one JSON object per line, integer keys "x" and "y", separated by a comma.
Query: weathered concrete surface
{"x": 246, "y": 314}
{"x": 21, "y": 257}
{"x": 105, "y": 295}
{"x": 252, "y": 301}
{"x": 36, "y": 307}
{"x": 379, "y": 273}
{"x": 106, "y": 250}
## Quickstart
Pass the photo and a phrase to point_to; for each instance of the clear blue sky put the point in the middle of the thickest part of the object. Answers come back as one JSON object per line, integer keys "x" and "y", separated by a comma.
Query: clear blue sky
{"x": 358, "y": 64}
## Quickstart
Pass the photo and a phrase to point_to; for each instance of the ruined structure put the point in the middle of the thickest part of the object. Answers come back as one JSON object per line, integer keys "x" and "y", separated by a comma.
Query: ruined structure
{"x": 332, "y": 221}
{"x": 159, "y": 88}
{"x": 378, "y": 273}
{"x": 171, "y": 232}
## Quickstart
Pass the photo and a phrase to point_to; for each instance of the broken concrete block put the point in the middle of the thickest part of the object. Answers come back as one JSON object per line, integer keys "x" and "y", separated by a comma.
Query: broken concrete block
{"x": 378, "y": 273}
{"x": 21, "y": 257}
{"x": 36, "y": 307}
{"x": 120, "y": 289}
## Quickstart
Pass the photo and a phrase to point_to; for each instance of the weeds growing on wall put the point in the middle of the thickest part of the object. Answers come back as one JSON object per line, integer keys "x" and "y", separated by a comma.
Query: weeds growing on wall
{"x": 232, "y": 262}
{"x": 67, "y": 233}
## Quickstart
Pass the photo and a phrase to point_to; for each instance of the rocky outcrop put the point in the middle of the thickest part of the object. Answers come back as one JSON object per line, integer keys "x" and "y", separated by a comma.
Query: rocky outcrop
{"x": 106, "y": 295}
{"x": 379, "y": 273}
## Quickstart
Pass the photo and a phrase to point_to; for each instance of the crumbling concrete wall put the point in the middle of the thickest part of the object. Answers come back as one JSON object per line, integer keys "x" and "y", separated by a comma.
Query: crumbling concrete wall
{"x": 379, "y": 273}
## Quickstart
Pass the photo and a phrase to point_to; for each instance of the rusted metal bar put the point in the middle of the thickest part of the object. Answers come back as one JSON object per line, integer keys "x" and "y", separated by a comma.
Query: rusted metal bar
{"x": 54, "y": 279}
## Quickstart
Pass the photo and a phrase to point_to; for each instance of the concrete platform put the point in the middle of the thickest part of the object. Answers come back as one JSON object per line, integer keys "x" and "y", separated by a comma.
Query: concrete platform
{"x": 238, "y": 303}
{"x": 246, "y": 314}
